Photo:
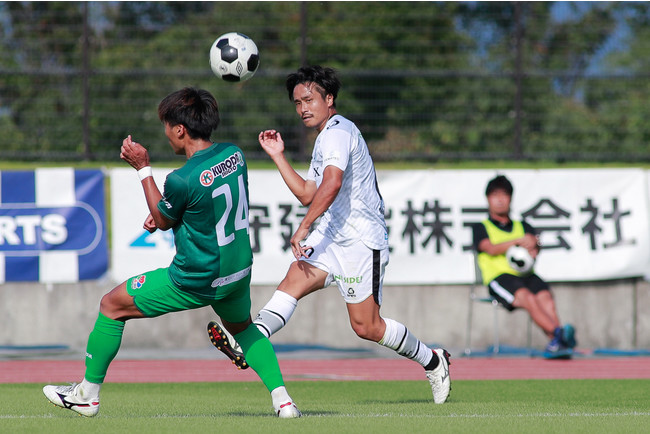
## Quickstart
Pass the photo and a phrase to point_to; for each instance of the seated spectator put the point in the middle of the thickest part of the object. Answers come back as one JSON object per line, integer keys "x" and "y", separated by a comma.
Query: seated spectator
{"x": 513, "y": 289}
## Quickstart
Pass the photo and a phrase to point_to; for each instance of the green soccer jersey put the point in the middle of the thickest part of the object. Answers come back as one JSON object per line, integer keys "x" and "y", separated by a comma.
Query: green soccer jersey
{"x": 208, "y": 199}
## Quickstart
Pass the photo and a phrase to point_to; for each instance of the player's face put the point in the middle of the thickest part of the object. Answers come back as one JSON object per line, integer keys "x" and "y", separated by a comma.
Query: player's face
{"x": 172, "y": 134}
{"x": 311, "y": 106}
{"x": 499, "y": 203}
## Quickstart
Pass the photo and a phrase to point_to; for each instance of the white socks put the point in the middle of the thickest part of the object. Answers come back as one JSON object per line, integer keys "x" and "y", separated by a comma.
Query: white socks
{"x": 398, "y": 338}
{"x": 88, "y": 389}
{"x": 276, "y": 313}
{"x": 279, "y": 395}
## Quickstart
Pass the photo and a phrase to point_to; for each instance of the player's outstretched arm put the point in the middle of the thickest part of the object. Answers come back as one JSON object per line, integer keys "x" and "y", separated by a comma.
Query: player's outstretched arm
{"x": 272, "y": 143}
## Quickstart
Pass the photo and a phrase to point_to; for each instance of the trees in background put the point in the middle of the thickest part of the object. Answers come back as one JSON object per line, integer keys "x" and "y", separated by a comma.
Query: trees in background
{"x": 431, "y": 80}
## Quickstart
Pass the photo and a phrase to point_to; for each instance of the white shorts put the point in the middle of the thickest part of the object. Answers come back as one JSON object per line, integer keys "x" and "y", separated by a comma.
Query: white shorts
{"x": 357, "y": 270}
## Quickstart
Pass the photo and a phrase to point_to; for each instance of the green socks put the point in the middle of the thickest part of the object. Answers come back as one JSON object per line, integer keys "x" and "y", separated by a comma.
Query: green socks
{"x": 260, "y": 356}
{"x": 103, "y": 344}
{"x": 105, "y": 339}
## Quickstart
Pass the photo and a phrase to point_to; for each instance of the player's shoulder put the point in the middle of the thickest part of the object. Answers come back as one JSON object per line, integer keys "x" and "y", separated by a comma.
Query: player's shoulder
{"x": 176, "y": 179}
{"x": 479, "y": 227}
{"x": 226, "y": 147}
{"x": 528, "y": 228}
{"x": 338, "y": 130}
{"x": 338, "y": 123}
{"x": 219, "y": 158}
{"x": 229, "y": 153}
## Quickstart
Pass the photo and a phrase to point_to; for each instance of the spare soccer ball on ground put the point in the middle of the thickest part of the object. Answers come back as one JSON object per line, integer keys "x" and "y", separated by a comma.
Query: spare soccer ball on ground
{"x": 234, "y": 57}
{"x": 519, "y": 259}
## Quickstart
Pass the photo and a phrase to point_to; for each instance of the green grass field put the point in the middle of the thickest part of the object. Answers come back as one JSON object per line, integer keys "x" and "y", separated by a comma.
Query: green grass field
{"x": 514, "y": 406}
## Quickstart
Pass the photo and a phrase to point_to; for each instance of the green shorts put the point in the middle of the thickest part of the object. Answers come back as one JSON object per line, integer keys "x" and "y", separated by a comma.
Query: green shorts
{"x": 154, "y": 294}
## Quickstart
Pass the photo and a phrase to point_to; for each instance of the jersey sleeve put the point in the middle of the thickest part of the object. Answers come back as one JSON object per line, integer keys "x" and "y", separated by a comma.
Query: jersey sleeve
{"x": 479, "y": 233}
{"x": 311, "y": 174}
{"x": 335, "y": 149}
{"x": 528, "y": 229}
{"x": 174, "y": 200}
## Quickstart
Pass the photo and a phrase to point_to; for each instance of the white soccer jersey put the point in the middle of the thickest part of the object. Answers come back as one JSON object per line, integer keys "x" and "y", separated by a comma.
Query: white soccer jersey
{"x": 357, "y": 213}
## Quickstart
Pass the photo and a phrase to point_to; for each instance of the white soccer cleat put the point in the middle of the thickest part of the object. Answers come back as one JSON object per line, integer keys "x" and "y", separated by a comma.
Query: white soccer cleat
{"x": 287, "y": 410}
{"x": 70, "y": 397}
{"x": 439, "y": 377}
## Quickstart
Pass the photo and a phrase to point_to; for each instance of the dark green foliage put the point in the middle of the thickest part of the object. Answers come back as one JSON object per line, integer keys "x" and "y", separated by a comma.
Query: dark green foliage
{"x": 423, "y": 80}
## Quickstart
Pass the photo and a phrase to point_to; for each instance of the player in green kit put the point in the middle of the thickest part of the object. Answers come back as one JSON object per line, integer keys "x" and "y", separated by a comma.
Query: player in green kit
{"x": 205, "y": 203}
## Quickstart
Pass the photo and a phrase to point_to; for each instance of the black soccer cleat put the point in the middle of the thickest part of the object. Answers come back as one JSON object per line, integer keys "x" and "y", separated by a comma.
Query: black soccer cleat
{"x": 220, "y": 340}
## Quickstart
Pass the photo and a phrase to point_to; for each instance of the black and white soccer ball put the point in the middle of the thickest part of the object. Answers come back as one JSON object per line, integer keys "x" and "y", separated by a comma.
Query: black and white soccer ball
{"x": 519, "y": 259}
{"x": 234, "y": 57}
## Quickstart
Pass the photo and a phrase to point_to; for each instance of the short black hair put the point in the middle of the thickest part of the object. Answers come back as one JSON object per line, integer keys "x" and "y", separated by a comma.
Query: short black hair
{"x": 196, "y": 109}
{"x": 499, "y": 182}
{"x": 323, "y": 77}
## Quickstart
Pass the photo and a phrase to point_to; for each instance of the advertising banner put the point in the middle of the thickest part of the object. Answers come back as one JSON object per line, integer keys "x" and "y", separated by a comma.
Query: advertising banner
{"x": 134, "y": 250}
{"x": 52, "y": 225}
{"x": 592, "y": 223}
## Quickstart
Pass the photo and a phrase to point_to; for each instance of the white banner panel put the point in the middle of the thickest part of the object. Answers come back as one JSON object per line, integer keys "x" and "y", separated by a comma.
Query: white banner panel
{"x": 593, "y": 223}
{"x": 135, "y": 250}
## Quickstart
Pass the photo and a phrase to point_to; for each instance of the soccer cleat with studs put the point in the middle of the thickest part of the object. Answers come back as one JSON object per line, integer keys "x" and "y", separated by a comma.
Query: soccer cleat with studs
{"x": 220, "y": 340}
{"x": 439, "y": 377}
{"x": 69, "y": 397}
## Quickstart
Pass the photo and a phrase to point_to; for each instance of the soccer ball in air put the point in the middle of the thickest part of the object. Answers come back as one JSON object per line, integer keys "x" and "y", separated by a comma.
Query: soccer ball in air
{"x": 519, "y": 259}
{"x": 234, "y": 57}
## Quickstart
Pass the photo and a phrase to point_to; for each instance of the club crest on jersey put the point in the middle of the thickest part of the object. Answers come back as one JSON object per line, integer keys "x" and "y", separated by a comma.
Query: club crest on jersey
{"x": 206, "y": 178}
{"x": 222, "y": 169}
{"x": 137, "y": 282}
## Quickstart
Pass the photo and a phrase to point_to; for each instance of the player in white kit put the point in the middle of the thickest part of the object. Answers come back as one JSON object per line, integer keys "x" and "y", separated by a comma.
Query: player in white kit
{"x": 350, "y": 244}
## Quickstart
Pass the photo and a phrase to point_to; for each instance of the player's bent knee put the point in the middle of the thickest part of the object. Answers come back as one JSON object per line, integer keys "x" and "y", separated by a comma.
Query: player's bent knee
{"x": 118, "y": 307}
{"x": 523, "y": 298}
{"x": 108, "y": 308}
{"x": 366, "y": 332}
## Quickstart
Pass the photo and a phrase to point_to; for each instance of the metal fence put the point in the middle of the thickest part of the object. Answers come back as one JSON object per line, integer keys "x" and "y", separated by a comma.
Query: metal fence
{"x": 423, "y": 80}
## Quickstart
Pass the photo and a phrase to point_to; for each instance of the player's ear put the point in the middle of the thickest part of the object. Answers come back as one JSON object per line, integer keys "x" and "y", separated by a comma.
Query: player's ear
{"x": 180, "y": 130}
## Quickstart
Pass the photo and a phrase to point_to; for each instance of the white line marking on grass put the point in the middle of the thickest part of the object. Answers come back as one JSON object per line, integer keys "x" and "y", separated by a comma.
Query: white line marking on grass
{"x": 482, "y": 416}
{"x": 358, "y": 415}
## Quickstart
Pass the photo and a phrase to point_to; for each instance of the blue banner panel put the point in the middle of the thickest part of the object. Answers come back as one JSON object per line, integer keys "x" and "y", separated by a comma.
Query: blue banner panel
{"x": 52, "y": 225}
{"x": 18, "y": 187}
{"x": 21, "y": 269}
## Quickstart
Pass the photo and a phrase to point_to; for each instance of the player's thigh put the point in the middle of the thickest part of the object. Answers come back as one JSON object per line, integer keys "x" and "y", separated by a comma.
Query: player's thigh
{"x": 154, "y": 294}
{"x": 358, "y": 271}
{"x": 536, "y": 291}
{"x": 303, "y": 278}
{"x": 118, "y": 304}
{"x": 309, "y": 274}
{"x": 234, "y": 306}
{"x": 536, "y": 284}
{"x": 525, "y": 299}
{"x": 504, "y": 289}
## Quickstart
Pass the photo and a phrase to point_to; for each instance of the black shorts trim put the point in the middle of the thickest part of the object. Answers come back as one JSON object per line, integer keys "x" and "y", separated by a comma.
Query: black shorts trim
{"x": 511, "y": 283}
{"x": 376, "y": 274}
